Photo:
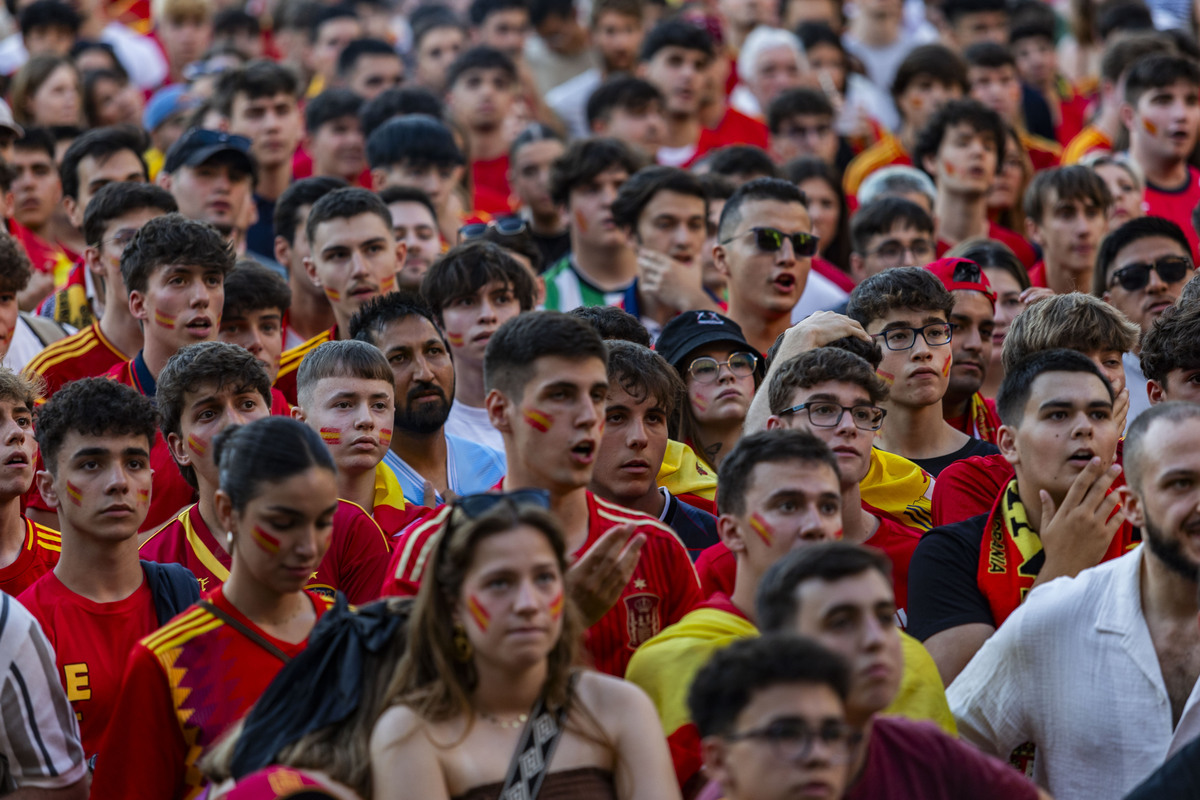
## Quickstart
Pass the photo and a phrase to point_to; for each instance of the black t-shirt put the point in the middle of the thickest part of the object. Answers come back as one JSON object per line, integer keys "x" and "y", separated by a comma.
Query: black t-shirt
{"x": 1178, "y": 779}
{"x": 552, "y": 248}
{"x": 973, "y": 447}
{"x": 943, "y": 587}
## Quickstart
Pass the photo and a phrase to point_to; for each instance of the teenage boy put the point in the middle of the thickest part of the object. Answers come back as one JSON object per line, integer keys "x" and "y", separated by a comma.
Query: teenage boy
{"x": 801, "y": 124}
{"x": 260, "y": 102}
{"x": 1170, "y": 357}
{"x": 27, "y": 550}
{"x": 414, "y": 222}
{"x": 204, "y": 389}
{"x": 971, "y": 22}
{"x": 211, "y": 175}
{"x": 473, "y": 290}
{"x": 114, "y": 216}
{"x": 346, "y": 392}
{"x": 334, "y": 138}
{"x": 369, "y": 67}
{"x": 675, "y": 57}
{"x": 420, "y": 151}
{"x": 664, "y": 211}
{"x": 184, "y": 29}
{"x": 773, "y": 683}
{"x": 353, "y": 257}
{"x": 174, "y": 271}
{"x": 546, "y": 382}
{"x": 643, "y": 394}
{"x": 99, "y": 600}
{"x": 36, "y": 195}
{"x": 994, "y": 82}
{"x": 876, "y": 37}
{"x": 765, "y": 247}
{"x": 1032, "y": 40}
{"x": 961, "y": 148}
{"x": 889, "y": 232}
{"x": 1054, "y": 518}
{"x": 310, "y": 312}
{"x": 631, "y": 110}
{"x": 502, "y": 24}
{"x": 1162, "y": 114}
{"x": 1066, "y": 214}
{"x": 779, "y": 491}
{"x": 481, "y": 87}
{"x": 601, "y": 265}
{"x": 907, "y": 312}
{"x": 256, "y": 302}
{"x": 1073, "y": 321}
{"x": 438, "y": 37}
{"x": 332, "y": 28}
{"x": 840, "y": 594}
{"x": 430, "y": 463}
{"x": 1132, "y": 621}
{"x": 973, "y": 318}
{"x": 929, "y": 77}
{"x": 95, "y": 159}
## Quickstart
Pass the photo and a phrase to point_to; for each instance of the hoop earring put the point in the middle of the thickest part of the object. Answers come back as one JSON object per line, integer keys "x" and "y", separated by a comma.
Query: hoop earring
{"x": 462, "y": 645}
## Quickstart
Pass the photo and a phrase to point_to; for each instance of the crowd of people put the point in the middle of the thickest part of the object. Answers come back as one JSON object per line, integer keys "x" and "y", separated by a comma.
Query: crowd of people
{"x": 613, "y": 399}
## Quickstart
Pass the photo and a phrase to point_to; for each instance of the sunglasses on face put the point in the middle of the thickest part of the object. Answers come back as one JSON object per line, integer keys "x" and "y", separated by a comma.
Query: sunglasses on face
{"x": 770, "y": 240}
{"x": 505, "y": 226}
{"x": 1134, "y": 277}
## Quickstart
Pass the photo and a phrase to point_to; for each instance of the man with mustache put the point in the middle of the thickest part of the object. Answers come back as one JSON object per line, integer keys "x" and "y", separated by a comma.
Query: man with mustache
{"x": 430, "y": 463}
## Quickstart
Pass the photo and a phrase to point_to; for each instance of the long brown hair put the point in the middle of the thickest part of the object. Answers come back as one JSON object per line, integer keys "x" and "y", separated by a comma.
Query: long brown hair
{"x": 430, "y": 680}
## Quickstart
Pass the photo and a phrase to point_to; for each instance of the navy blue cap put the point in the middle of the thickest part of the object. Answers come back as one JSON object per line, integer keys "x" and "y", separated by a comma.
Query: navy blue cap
{"x": 199, "y": 145}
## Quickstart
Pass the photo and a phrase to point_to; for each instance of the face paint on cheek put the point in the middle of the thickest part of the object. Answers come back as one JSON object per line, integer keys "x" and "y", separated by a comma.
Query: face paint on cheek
{"x": 918, "y": 102}
{"x": 538, "y": 420}
{"x": 1150, "y": 127}
{"x": 478, "y": 613}
{"x": 333, "y": 294}
{"x": 331, "y": 435}
{"x": 385, "y": 436}
{"x": 164, "y": 320}
{"x": 264, "y": 540}
{"x": 74, "y": 493}
{"x": 946, "y": 369}
{"x": 581, "y": 221}
{"x": 949, "y": 169}
{"x": 888, "y": 377}
{"x": 556, "y": 606}
{"x": 762, "y": 528}
{"x": 143, "y": 497}
{"x": 197, "y": 445}
{"x": 455, "y": 339}
{"x": 699, "y": 403}
{"x": 389, "y": 285}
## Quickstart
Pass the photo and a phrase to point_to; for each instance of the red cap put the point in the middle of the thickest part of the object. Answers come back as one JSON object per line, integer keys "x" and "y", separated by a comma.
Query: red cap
{"x": 944, "y": 268}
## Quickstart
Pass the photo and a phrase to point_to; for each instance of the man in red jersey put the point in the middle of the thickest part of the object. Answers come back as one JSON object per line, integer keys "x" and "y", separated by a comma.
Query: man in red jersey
{"x": 203, "y": 390}
{"x": 100, "y": 600}
{"x": 347, "y": 394}
{"x": 481, "y": 87}
{"x": 27, "y": 550}
{"x": 1066, "y": 213}
{"x": 547, "y": 383}
{"x": 178, "y": 302}
{"x": 1162, "y": 113}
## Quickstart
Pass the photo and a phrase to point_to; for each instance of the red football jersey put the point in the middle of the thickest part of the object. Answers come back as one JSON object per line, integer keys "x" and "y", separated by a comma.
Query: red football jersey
{"x": 1176, "y": 205}
{"x": 38, "y": 556}
{"x": 734, "y": 128}
{"x": 280, "y": 407}
{"x": 490, "y": 179}
{"x": 91, "y": 643}
{"x": 354, "y": 563}
{"x": 184, "y": 685}
{"x": 1018, "y": 244}
{"x": 663, "y": 587}
{"x": 85, "y": 354}
{"x": 289, "y": 363}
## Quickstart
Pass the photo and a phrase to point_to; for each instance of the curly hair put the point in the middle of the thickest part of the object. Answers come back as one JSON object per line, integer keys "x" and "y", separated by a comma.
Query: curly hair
{"x": 15, "y": 266}
{"x": 823, "y": 365}
{"x": 93, "y": 407}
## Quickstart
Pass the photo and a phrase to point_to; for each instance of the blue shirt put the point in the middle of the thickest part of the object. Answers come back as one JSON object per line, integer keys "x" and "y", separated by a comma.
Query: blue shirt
{"x": 470, "y": 468}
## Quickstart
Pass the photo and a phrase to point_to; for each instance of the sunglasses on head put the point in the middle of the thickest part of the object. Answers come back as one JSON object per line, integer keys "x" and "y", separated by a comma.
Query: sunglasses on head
{"x": 476, "y": 505}
{"x": 1134, "y": 277}
{"x": 771, "y": 240}
{"x": 505, "y": 226}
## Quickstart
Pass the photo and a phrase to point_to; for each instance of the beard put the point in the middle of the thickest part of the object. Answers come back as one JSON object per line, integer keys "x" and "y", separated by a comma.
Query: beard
{"x": 424, "y": 419}
{"x": 1169, "y": 550}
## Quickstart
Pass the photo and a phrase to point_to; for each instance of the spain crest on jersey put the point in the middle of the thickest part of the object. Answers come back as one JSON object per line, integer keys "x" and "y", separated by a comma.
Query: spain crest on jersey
{"x": 642, "y": 618}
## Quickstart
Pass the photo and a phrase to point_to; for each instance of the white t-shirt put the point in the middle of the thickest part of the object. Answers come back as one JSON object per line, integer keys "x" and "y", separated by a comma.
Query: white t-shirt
{"x": 820, "y": 294}
{"x": 139, "y": 55}
{"x": 569, "y": 100}
{"x": 468, "y": 422}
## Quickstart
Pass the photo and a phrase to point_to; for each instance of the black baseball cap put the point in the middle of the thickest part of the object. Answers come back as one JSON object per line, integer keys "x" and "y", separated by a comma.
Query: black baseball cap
{"x": 198, "y": 145}
{"x": 692, "y": 330}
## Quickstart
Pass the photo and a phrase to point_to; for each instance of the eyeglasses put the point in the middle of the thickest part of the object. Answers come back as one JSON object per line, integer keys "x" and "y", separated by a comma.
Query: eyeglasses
{"x": 935, "y": 334}
{"x": 771, "y": 240}
{"x": 891, "y": 253}
{"x": 1137, "y": 276}
{"x": 792, "y": 739}
{"x": 121, "y": 238}
{"x": 505, "y": 226}
{"x": 707, "y": 369}
{"x": 824, "y": 414}
{"x": 476, "y": 505}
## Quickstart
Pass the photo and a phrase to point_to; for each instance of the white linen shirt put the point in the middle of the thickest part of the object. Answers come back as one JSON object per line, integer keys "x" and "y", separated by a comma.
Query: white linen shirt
{"x": 1074, "y": 671}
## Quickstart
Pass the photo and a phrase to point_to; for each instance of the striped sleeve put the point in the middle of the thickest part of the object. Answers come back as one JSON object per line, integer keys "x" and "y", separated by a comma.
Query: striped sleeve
{"x": 39, "y": 737}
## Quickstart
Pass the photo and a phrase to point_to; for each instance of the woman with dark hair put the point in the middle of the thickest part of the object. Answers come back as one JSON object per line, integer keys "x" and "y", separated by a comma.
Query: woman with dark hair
{"x": 488, "y": 683}
{"x": 47, "y": 91}
{"x": 192, "y": 679}
{"x": 1013, "y": 174}
{"x": 830, "y": 216}
{"x": 110, "y": 98}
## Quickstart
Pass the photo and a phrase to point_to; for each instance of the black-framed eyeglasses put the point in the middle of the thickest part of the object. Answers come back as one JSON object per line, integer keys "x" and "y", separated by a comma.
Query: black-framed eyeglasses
{"x": 792, "y": 739}
{"x": 505, "y": 226}
{"x": 771, "y": 240}
{"x": 476, "y": 505}
{"x": 707, "y": 369}
{"x": 1135, "y": 277}
{"x": 892, "y": 252}
{"x": 827, "y": 414}
{"x": 935, "y": 334}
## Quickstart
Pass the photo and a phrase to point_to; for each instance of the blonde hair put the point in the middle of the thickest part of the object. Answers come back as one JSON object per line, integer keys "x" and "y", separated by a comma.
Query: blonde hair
{"x": 176, "y": 10}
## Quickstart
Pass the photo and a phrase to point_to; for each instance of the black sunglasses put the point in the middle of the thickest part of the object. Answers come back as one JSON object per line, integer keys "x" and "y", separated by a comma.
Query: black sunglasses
{"x": 1135, "y": 277}
{"x": 771, "y": 240}
{"x": 505, "y": 226}
{"x": 476, "y": 505}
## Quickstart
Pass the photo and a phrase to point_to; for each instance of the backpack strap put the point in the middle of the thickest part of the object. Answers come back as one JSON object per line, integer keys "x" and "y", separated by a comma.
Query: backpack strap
{"x": 245, "y": 630}
{"x": 174, "y": 588}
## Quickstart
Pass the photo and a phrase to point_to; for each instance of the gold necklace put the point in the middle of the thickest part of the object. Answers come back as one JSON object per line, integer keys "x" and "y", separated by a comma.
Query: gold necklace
{"x": 506, "y": 723}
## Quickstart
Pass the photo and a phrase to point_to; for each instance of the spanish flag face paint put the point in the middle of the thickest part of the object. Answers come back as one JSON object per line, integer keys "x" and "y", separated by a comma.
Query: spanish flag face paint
{"x": 388, "y": 285}
{"x": 163, "y": 320}
{"x": 949, "y": 365}
{"x": 1150, "y": 127}
{"x": 762, "y": 528}
{"x": 538, "y": 420}
{"x": 581, "y": 221}
{"x": 455, "y": 339}
{"x": 264, "y": 540}
{"x": 556, "y": 606}
{"x": 478, "y": 613}
{"x": 333, "y": 294}
{"x": 74, "y": 493}
{"x": 888, "y": 377}
{"x": 385, "y": 436}
{"x": 331, "y": 435}
{"x": 197, "y": 446}
{"x": 143, "y": 496}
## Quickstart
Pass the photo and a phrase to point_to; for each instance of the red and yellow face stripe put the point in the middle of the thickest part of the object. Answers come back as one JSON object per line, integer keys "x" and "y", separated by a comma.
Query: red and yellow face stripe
{"x": 455, "y": 339}
{"x": 164, "y": 320}
{"x": 762, "y": 528}
{"x": 385, "y": 436}
{"x": 946, "y": 369}
{"x": 143, "y": 495}
{"x": 478, "y": 613}
{"x": 331, "y": 435}
{"x": 388, "y": 285}
{"x": 556, "y": 605}
{"x": 264, "y": 540}
{"x": 538, "y": 420}
{"x": 199, "y": 446}
{"x": 74, "y": 493}
{"x": 888, "y": 377}
{"x": 333, "y": 294}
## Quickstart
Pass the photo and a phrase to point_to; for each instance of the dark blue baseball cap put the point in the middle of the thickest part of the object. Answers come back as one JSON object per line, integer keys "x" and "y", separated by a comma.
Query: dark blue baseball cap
{"x": 199, "y": 145}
